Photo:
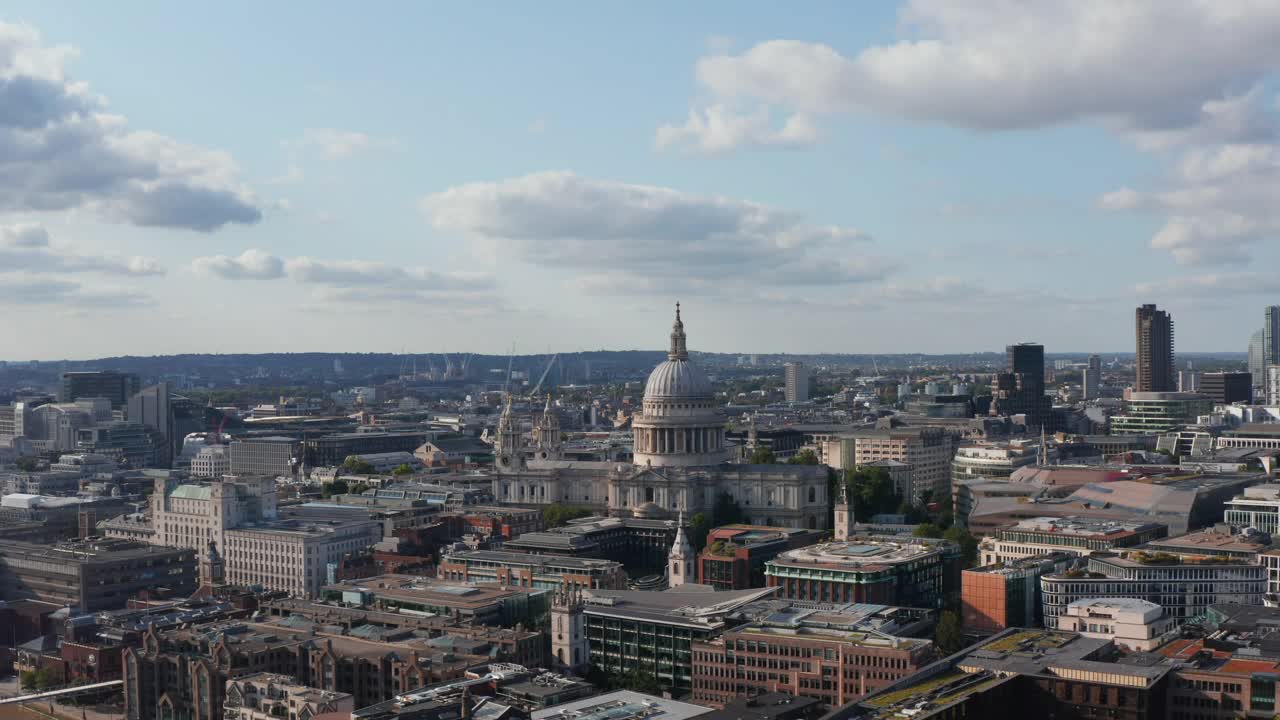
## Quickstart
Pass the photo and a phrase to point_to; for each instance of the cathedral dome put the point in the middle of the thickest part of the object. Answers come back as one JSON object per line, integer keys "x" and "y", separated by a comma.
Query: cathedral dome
{"x": 677, "y": 379}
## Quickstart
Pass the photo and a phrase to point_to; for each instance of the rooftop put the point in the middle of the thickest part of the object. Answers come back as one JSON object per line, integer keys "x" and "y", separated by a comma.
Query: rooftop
{"x": 1086, "y": 527}
{"x": 622, "y": 705}
{"x": 696, "y": 605}
{"x": 863, "y": 552}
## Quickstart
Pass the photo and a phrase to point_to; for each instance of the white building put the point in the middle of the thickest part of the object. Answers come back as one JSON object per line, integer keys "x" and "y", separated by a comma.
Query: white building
{"x": 1273, "y": 384}
{"x": 273, "y": 456}
{"x": 239, "y": 517}
{"x": 1258, "y": 507}
{"x": 680, "y": 462}
{"x": 212, "y": 461}
{"x": 1133, "y": 624}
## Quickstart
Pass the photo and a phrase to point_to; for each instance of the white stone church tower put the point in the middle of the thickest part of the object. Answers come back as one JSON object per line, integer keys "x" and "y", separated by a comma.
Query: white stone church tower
{"x": 681, "y": 562}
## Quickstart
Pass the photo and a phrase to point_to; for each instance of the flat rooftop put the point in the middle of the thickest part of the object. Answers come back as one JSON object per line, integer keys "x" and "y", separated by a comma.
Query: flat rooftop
{"x": 1083, "y": 527}
{"x": 415, "y": 588}
{"x": 863, "y": 552}
{"x": 545, "y": 562}
{"x": 622, "y": 705}
{"x": 1211, "y": 541}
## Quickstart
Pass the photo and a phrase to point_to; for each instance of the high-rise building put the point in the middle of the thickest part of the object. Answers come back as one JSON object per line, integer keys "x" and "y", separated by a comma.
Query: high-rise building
{"x": 117, "y": 387}
{"x": 1271, "y": 335}
{"x": 1154, "y": 335}
{"x": 1020, "y": 390}
{"x": 1092, "y": 378}
{"x": 1189, "y": 381}
{"x": 797, "y": 381}
{"x": 1258, "y": 359}
{"x": 1226, "y": 387}
{"x": 151, "y": 408}
{"x": 1273, "y": 384}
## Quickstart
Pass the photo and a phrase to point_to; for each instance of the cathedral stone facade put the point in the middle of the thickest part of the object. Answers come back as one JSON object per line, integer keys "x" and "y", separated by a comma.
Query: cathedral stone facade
{"x": 681, "y": 463}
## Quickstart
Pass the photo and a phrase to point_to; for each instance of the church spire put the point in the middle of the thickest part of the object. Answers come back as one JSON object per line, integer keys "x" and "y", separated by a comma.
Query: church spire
{"x": 678, "y": 349}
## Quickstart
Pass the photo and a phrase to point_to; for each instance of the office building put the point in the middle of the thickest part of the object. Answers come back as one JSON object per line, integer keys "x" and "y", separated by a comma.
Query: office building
{"x": 1189, "y": 381}
{"x": 1006, "y": 594}
{"x": 1271, "y": 335}
{"x": 131, "y": 443}
{"x": 1154, "y": 333}
{"x": 151, "y": 407}
{"x": 329, "y": 450}
{"x": 1257, "y": 357}
{"x": 617, "y": 623}
{"x": 831, "y": 653}
{"x": 622, "y": 705}
{"x": 1273, "y": 384}
{"x": 1153, "y": 413}
{"x": 887, "y": 570}
{"x": 1020, "y": 389}
{"x": 1092, "y": 380}
{"x": 212, "y": 461}
{"x": 927, "y": 450}
{"x": 1133, "y": 624}
{"x": 798, "y": 376}
{"x": 415, "y": 594}
{"x": 95, "y": 574}
{"x": 1073, "y": 535}
{"x": 1185, "y": 587}
{"x": 116, "y": 387}
{"x": 640, "y": 544}
{"x": 734, "y": 556}
{"x": 293, "y": 554}
{"x": 271, "y": 696}
{"x": 1027, "y": 671}
{"x": 994, "y": 460}
{"x": 1222, "y": 540}
{"x": 270, "y": 456}
{"x": 1227, "y": 387}
{"x": 544, "y": 572}
{"x": 1258, "y": 507}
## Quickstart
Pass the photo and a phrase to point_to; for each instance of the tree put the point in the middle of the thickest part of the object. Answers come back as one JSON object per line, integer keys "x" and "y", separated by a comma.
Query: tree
{"x": 927, "y": 530}
{"x": 804, "y": 457}
{"x": 27, "y": 679}
{"x": 358, "y": 488}
{"x": 947, "y": 634}
{"x": 555, "y": 514}
{"x": 356, "y": 466}
{"x": 337, "y": 487}
{"x": 402, "y": 469}
{"x": 642, "y": 681}
{"x": 871, "y": 490}
{"x": 27, "y": 464}
{"x": 699, "y": 526}
{"x": 44, "y": 679}
{"x": 726, "y": 511}
{"x": 762, "y": 456}
{"x": 967, "y": 542}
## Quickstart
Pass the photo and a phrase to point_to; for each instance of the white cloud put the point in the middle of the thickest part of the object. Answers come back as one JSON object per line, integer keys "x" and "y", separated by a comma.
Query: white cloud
{"x": 60, "y": 149}
{"x": 1214, "y": 284}
{"x": 561, "y": 220}
{"x": 252, "y": 264}
{"x": 1001, "y": 64}
{"x": 362, "y": 273}
{"x": 719, "y": 129}
{"x": 332, "y": 279}
{"x": 27, "y": 247}
{"x": 334, "y": 144}
{"x": 1170, "y": 77}
{"x": 25, "y": 290}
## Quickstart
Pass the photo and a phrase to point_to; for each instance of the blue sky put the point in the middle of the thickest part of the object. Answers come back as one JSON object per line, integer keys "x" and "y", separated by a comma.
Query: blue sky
{"x": 874, "y": 177}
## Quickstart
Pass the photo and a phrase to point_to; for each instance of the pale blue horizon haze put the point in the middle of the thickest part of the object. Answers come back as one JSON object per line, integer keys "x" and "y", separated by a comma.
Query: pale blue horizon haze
{"x": 922, "y": 176}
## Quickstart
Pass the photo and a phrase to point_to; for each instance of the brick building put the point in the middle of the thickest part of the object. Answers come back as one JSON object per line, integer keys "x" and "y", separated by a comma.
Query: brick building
{"x": 735, "y": 555}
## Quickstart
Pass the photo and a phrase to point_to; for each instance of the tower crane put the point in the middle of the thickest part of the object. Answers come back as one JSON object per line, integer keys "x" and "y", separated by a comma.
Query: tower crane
{"x": 543, "y": 379}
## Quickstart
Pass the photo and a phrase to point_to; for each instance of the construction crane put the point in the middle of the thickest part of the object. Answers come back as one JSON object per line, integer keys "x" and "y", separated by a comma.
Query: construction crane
{"x": 536, "y": 388}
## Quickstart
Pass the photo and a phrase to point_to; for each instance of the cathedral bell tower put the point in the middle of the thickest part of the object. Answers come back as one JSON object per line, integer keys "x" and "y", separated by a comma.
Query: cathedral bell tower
{"x": 548, "y": 442}
{"x": 680, "y": 563}
{"x": 508, "y": 447}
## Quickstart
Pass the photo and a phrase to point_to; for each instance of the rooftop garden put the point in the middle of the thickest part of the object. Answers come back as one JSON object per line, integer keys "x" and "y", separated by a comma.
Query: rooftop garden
{"x": 1028, "y": 640}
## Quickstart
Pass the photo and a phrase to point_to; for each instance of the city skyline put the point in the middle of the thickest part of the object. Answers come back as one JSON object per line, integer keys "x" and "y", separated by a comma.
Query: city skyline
{"x": 903, "y": 178}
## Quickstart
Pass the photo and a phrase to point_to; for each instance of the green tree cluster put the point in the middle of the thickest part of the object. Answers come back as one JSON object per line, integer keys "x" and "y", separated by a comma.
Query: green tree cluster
{"x": 967, "y": 542}
{"x": 356, "y": 466}
{"x": 699, "y": 526}
{"x": 762, "y": 456}
{"x": 871, "y": 490}
{"x": 947, "y": 634}
{"x": 337, "y": 487}
{"x": 804, "y": 457}
{"x": 556, "y": 515}
{"x": 402, "y": 469}
{"x": 726, "y": 511}
{"x": 27, "y": 463}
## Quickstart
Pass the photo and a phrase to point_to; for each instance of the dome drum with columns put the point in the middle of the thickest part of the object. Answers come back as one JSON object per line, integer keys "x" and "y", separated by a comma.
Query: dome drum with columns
{"x": 680, "y": 465}
{"x": 680, "y": 423}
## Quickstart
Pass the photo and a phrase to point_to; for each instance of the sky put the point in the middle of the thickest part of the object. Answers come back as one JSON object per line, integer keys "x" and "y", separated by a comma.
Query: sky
{"x": 926, "y": 176}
